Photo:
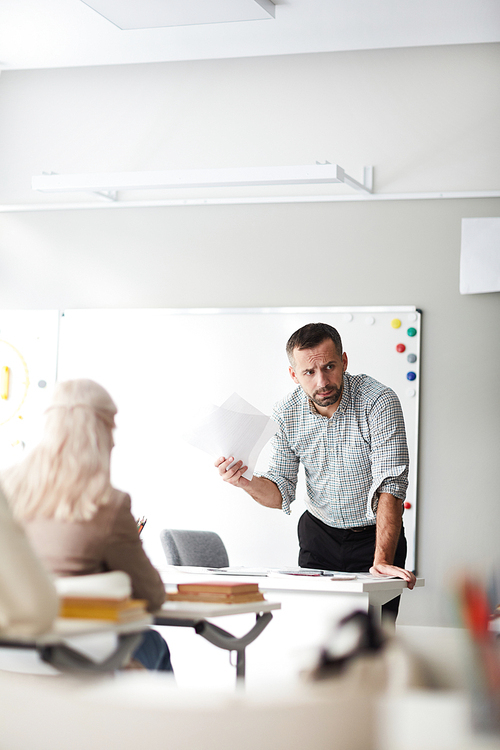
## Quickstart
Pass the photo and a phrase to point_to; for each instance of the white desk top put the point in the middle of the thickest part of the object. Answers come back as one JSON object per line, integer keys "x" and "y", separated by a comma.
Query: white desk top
{"x": 203, "y": 610}
{"x": 363, "y": 583}
{"x": 72, "y": 627}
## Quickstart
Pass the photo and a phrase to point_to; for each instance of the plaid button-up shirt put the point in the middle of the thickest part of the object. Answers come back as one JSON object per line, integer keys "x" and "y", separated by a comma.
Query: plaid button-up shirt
{"x": 348, "y": 459}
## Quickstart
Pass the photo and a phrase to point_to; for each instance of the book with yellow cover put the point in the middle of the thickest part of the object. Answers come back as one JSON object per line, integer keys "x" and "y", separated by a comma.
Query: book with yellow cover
{"x": 116, "y": 610}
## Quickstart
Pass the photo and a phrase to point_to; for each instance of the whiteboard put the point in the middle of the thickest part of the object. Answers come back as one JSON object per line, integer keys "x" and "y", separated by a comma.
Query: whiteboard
{"x": 163, "y": 366}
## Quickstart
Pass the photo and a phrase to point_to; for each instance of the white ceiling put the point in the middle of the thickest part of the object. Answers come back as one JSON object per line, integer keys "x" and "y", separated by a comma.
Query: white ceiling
{"x": 68, "y": 33}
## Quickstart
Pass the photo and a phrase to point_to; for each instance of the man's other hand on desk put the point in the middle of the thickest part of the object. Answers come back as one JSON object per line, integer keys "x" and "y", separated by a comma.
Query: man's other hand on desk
{"x": 384, "y": 569}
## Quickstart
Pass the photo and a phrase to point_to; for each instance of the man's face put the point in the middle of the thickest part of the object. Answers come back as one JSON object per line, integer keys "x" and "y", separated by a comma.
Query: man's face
{"x": 319, "y": 371}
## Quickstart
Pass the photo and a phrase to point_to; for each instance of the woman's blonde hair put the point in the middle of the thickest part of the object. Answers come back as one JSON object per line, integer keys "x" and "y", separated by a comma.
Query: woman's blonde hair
{"x": 67, "y": 475}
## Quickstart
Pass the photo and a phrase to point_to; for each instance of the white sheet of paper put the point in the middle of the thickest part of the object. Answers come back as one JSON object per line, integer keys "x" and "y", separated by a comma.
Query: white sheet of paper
{"x": 236, "y": 428}
{"x": 480, "y": 255}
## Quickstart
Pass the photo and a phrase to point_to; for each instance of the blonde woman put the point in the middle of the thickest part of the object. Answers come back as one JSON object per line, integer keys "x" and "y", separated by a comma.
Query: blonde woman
{"x": 76, "y": 521}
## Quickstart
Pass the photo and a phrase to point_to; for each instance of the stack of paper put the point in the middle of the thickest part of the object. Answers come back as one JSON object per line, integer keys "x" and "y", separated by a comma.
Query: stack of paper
{"x": 235, "y": 429}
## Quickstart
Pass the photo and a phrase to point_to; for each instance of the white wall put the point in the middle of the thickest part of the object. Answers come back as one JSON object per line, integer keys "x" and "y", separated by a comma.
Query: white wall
{"x": 426, "y": 118}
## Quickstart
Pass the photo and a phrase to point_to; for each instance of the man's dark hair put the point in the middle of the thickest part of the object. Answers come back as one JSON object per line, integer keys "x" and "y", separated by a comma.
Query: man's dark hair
{"x": 312, "y": 335}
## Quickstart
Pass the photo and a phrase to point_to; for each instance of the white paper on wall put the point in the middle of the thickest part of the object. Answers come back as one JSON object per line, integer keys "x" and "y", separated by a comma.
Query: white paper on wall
{"x": 480, "y": 256}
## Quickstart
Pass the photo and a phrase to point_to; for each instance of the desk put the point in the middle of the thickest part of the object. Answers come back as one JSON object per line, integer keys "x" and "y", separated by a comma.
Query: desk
{"x": 311, "y": 608}
{"x": 378, "y": 591}
{"x": 196, "y": 615}
{"x": 54, "y": 649}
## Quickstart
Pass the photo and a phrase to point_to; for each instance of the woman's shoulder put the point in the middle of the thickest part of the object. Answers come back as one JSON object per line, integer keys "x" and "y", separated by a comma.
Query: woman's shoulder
{"x": 112, "y": 510}
{"x": 119, "y": 498}
{"x": 119, "y": 506}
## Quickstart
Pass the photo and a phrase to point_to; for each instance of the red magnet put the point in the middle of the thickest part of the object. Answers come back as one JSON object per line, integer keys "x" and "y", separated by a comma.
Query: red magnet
{"x": 400, "y": 348}
{"x": 407, "y": 505}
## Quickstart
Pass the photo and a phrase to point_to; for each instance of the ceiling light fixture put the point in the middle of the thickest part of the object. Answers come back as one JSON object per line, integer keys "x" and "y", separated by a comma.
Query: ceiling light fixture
{"x": 110, "y": 183}
{"x": 152, "y": 14}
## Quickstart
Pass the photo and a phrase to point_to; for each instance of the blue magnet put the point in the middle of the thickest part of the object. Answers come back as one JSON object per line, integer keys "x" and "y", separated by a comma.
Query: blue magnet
{"x": 412, "y": 358}
{"x": 411, "y": 331}
{"x": 411, "y": 375}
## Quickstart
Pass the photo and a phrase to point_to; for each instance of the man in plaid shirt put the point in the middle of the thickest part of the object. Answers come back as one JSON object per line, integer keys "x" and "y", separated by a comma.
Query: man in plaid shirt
{"x": 349, "y": 434}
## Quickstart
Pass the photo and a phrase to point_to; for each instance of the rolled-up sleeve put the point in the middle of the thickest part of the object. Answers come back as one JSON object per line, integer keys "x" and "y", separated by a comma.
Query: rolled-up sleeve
{"x": 389, "y": 450}
{"x": 283, "y": 467}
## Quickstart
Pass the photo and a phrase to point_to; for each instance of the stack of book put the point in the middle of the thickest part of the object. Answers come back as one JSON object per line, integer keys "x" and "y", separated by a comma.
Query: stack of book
{"x": 222, "y": 593}
{"x": 99, "y": 608}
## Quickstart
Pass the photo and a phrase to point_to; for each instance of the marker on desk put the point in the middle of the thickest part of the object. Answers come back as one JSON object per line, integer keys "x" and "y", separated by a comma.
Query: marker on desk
{"x": 343, "y": 577}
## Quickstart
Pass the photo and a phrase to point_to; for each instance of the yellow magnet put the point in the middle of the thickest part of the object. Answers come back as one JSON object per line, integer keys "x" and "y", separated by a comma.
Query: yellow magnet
{"x": 4, "y": 383}
{"x": 396, "y": 323}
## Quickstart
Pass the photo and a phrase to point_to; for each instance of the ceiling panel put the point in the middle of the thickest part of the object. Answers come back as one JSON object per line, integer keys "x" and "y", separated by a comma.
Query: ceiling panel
{"x": 150, "y": 14}
{"x": 68, "y": 33}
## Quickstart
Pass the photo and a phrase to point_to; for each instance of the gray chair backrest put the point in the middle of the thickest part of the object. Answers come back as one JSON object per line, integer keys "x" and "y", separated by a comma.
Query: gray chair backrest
{"x": 202, "y": 548}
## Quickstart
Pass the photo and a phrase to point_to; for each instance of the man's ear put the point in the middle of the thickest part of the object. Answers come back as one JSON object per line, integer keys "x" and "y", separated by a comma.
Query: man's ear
{"x": 344, "y": 361}
{"x": 293, "y": 375}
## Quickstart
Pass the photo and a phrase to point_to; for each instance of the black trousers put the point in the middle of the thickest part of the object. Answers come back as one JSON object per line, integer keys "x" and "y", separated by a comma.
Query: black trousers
{"x": 329, "y": 548}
